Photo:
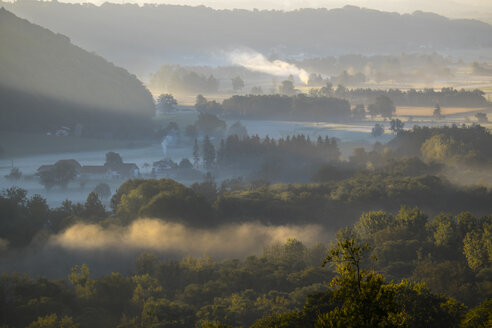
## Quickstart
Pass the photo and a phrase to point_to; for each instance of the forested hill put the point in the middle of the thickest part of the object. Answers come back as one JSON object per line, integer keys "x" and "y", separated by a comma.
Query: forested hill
{"x": 123, "y": 32}
{"x": 46, "y": 82}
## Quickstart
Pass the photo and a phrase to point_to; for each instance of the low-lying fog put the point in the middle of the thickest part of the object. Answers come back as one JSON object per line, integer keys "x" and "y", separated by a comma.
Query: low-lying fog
{"x": 350, "y": 135}
{"x": 114, "y": 249}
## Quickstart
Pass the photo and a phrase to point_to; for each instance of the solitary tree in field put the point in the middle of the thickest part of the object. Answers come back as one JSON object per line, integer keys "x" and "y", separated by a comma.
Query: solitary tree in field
{"x": 237, "y": 83}
{"x": 166, "y": 102}
{"x": 287, "y": 88}
{"x": 437, "y": 112}
{"x": 383, "y": 106}
{"x": 113, "y": 160}
{"x": 200, "y": 102}
{"x": 481, "y": 117}
{"x": 377, "y": 130}
{"x": 396, "y": 125}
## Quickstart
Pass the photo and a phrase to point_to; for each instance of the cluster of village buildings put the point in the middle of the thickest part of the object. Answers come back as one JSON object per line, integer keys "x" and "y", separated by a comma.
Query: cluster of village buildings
{"x": 119, "y": 171}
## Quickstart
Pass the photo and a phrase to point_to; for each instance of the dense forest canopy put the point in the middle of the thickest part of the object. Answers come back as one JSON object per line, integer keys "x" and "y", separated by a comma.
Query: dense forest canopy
{"x": 286, "y": 285}
{"x": 450, "y": 145}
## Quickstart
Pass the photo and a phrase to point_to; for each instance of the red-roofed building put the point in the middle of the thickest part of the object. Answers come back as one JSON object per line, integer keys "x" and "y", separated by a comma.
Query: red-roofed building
{"x": 96, "y": 171}
{"x": 126, "y": 170}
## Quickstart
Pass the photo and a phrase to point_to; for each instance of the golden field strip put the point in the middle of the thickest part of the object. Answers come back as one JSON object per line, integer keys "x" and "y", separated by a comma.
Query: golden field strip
{"x": 428, "y": 111}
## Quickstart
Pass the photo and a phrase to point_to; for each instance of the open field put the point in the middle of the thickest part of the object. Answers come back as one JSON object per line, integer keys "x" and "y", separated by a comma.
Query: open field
{"x": 182, "y": 118}
{"x": 428, "y": 111}
{"x": 21, "y": 144}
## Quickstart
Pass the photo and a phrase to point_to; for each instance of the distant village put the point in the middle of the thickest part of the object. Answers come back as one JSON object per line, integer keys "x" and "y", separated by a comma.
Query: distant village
{"x": 118, "y": 170}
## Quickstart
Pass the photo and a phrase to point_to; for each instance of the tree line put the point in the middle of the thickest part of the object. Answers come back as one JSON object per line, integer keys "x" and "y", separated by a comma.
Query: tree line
{"x": 452, "y": 145}
{"x": 298, "y": 107}
{"x": 290, "y": 159}
{"x": 175, "y": 78}
{"x": 427, "y": 97}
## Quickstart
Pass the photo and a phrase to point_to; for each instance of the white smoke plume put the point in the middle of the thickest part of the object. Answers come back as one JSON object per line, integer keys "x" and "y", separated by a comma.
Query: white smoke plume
{"x": 164, "y": 143}
{"x": 255, "y": 61}
{"x": 160, "y": 236}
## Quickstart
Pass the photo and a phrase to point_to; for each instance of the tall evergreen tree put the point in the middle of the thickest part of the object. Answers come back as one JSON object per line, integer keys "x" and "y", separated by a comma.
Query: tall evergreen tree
{"x": 208, "y": 150}
{"x": 196, "y": 154}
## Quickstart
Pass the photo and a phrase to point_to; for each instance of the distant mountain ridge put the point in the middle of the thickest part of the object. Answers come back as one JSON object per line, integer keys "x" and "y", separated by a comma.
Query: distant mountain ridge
{"x": 123, "y": 32}
{"x": 47, "y": 82}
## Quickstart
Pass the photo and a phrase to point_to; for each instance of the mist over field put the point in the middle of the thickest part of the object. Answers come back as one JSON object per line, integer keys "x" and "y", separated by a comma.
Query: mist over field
{"x": 225, "y": 164}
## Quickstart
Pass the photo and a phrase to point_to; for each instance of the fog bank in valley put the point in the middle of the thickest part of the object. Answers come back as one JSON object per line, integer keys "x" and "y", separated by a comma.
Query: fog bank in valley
{"x": 114, "y": 248}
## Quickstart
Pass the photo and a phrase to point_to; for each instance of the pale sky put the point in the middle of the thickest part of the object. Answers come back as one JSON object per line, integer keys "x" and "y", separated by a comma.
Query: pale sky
{"x": 480, "y": 9}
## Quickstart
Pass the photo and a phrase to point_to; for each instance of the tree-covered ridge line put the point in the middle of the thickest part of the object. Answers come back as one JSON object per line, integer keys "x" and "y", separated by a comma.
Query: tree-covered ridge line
{"x": 375, "y": 32}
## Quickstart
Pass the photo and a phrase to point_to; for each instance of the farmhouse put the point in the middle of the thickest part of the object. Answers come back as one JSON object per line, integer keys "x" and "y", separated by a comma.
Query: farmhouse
{"x": 126, "y": 170}
{"x": 96, "y": 172}
{"x": 163, "y": 166}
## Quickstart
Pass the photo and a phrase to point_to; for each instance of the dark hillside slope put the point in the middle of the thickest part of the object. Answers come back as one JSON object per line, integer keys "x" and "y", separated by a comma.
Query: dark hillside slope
{"x": 47, "y": 82}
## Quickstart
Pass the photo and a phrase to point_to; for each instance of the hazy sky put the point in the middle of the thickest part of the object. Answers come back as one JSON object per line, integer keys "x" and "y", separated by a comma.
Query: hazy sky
{"x": 481, "y": 9}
